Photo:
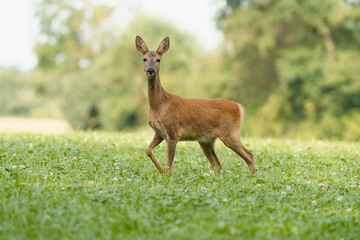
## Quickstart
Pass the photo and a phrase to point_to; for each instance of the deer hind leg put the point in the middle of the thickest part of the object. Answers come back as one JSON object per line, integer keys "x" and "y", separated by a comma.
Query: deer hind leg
{"x": 233, "y": 142}
{"x": 154, "y": 143}
{"x": 209, "y": 151}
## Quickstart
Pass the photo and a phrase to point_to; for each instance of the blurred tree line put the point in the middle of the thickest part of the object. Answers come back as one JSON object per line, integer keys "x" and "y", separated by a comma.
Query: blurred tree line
{"x": 293, "y": 64}
{"x": 296, "y": 65}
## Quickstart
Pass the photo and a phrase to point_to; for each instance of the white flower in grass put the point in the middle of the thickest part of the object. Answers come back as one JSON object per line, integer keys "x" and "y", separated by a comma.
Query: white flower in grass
{"x": 353, "y": 186}
{"x": 340, "y": 198}
{"x": 334, "y": 174}
{"x": 22, "y": 166}
{"x": 313, "y": 166}
{"x": 225, "y": 200}
{"x": 101, "y": 192}
{"x": 115, "y": 179}
{"x": 14, "y": 167}
{"x": 51, "y": 174}
{"x": 211, "y": 172}
{"x": 349, "y": 210}
{"x": 283, "y": 193}
{"x": 258, "y": 185}
{"x": 206, "y": 175}
{"x": 314, "y": 203}
{"x": 288, "y": 188}
{"x": 203, "y": 188}
{"x": 128, "y": 179}
{"x": 91, "y": 182}
{"x": 321, "y": 185}
{"x": 14, "y": 155}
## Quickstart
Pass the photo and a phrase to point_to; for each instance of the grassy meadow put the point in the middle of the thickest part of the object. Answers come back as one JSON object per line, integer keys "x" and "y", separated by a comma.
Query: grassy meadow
{"x": 86, "y": 185}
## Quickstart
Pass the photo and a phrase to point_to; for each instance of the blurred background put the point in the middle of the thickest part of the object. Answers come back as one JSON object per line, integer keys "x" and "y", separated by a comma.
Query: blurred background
{"x": 293, "y": 64}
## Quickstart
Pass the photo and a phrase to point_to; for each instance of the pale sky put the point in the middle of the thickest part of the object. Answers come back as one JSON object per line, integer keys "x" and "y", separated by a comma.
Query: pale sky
{"x": 18, "y": 29}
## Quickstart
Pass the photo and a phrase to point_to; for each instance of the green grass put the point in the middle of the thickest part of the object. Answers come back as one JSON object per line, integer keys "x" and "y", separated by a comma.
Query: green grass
{"x": 103, "y": 186}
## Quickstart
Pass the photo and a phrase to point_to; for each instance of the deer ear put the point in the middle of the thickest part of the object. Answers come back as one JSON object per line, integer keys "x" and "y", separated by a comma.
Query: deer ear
{"x": 140, "y": 45}
{"x": 163, "y": 46}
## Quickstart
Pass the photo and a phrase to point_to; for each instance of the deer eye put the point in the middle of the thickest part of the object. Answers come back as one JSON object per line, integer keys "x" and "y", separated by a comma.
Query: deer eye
{"x": 144, "y": 59}
{"x": 158, "y": 60}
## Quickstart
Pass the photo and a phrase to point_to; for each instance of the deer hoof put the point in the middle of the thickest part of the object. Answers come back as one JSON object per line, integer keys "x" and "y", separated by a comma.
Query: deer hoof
{"x": 166, "y": 170}
{"x": 217, "y": 169}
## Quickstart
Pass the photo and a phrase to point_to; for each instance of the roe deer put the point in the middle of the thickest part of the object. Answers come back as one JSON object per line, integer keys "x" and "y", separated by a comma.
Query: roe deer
{"x": 175, "y": 118}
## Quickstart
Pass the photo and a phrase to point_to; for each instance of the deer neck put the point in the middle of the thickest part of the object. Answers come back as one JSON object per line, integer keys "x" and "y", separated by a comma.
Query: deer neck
{"x": 156, "y": 92}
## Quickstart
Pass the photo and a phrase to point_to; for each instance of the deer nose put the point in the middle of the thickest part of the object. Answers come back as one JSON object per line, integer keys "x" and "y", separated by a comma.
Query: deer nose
{"x": 150, "y": 71}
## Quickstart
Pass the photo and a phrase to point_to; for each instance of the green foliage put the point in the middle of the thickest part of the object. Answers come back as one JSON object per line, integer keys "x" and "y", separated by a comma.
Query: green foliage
{"x": 293, "y": 65}
{"x": 97, "y": 74}
{"x": 71, "y": 32}
{"x": 10, "y": 84}
{"x": 95, "y": 185}
{"x": 24, "y": 95}
{"x": 79, "y": 94}
{"x": 301, "y": 53}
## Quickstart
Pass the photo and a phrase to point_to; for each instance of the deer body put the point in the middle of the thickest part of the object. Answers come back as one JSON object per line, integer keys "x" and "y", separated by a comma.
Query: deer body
{"x": 187, "y": 119}
{"x": 174, "y": 118}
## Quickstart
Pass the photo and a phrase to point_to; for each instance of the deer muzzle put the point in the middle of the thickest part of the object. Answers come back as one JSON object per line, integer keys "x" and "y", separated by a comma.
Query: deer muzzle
{"x": 150, "y": 72}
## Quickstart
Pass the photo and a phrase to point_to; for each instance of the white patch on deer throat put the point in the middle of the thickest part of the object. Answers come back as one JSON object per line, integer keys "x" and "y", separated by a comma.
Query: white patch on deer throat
{"x": 150, "y": 74}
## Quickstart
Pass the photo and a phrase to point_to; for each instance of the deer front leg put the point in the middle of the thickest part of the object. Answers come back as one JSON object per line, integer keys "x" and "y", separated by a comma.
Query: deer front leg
{"x": 154, "y": 143}
{"x": 171, "y": 146}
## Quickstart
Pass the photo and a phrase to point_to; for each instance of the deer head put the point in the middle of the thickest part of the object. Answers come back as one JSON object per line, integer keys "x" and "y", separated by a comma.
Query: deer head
{"x": 152, "y": 59}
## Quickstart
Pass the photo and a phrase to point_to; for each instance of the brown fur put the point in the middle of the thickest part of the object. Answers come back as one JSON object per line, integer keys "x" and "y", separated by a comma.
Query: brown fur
{"x": 175, "y": 118}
